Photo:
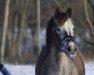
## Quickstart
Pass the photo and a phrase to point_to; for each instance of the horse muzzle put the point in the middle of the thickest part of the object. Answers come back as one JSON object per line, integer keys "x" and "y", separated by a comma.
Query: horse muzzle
{"x": 71, "y": 50}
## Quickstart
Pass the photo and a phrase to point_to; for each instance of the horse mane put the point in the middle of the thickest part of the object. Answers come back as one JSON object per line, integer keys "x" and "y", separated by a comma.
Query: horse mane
{"x": 49, "y": 33}
{"x": 46, "y": 49}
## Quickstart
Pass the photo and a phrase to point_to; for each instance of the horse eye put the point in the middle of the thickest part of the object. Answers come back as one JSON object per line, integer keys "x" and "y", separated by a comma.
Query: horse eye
{"x": 74, "y": 37}
{"x": 58, "y": 29}
{"x": 65, "y": 33}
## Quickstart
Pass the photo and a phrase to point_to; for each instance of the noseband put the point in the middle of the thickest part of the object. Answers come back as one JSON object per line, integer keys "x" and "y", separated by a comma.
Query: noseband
{"x": 61, "y": 38}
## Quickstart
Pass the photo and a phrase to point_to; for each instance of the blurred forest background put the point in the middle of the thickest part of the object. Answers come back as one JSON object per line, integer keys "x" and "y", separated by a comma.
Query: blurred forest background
{"x": 23, "y": 24}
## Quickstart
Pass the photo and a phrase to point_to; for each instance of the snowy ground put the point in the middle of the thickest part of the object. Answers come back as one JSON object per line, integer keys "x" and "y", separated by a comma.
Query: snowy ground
{"x": 89, "y": 68}
{"x": 29, "y": 69}
{"x": 21, "y": 69}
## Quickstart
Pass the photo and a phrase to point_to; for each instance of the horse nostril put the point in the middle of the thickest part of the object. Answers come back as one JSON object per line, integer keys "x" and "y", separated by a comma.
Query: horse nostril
{"x": 69, "y": 49}
{"x": 75, "y": 48}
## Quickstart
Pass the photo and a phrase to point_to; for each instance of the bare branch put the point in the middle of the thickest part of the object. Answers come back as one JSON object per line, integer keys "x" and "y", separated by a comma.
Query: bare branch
{"x": 90, "y": 3}
{"x": 58, "y": 4}
{"x": 92, "y": 6}
{"x": 88, "y": 42}
{"x": 87, "y": 17}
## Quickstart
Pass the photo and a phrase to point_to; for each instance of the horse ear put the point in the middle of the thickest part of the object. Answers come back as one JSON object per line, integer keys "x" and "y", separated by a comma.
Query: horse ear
{"x": 57, "y": 11}
{"x": 69, "y": 12}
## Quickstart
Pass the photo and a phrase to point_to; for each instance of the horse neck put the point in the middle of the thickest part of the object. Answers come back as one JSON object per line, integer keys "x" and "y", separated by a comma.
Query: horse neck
{"x": 58, "y": 57}
{"x": 49, "y": 33}
{"x": 53, "y": 53}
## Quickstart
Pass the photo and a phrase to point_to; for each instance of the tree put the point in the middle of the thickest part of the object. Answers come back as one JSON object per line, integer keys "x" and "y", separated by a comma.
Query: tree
{"x": 6, "y": 16}
{"x": 38, "y": 24}
{"x": 90, "y": 23}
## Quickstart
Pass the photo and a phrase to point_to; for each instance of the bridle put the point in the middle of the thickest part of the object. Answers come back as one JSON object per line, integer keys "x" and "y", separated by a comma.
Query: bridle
{"x": 61, "y": 38}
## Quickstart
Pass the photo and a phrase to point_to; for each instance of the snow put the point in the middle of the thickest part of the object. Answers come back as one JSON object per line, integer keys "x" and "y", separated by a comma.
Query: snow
{"x": 21, "y": 69}
{"x": 30, "y": 69}
{"x": 89, "y": 68}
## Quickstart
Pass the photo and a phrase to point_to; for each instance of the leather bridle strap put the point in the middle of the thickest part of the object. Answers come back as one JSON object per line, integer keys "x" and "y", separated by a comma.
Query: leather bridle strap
{"x": 61, "y": 40}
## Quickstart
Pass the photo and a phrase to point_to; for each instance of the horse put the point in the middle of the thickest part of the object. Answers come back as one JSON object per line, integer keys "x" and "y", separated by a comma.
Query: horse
{"x": 60, "y": 55}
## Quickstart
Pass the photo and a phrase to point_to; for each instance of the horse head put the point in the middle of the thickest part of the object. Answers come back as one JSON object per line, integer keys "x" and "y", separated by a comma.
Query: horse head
{"x": 62, "y": 32}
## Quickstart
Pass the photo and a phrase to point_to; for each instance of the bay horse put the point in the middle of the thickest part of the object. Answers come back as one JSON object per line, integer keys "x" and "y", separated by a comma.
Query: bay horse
{"x": 60, "y": 56}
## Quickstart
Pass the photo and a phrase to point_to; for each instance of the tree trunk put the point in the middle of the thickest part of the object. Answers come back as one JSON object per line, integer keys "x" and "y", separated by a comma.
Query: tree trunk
{"x": 4, "y": 31}
{"x": 89, "y": 23}
{"x": 21, "y": 35}
{"x": 23, "y": 13}
{"x": 87, "y": 18}
{"x": 38, "y": 24}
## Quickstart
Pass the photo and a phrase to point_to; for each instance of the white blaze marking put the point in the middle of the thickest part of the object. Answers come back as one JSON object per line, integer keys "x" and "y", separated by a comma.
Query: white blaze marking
{"x": 68, "y": 27}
